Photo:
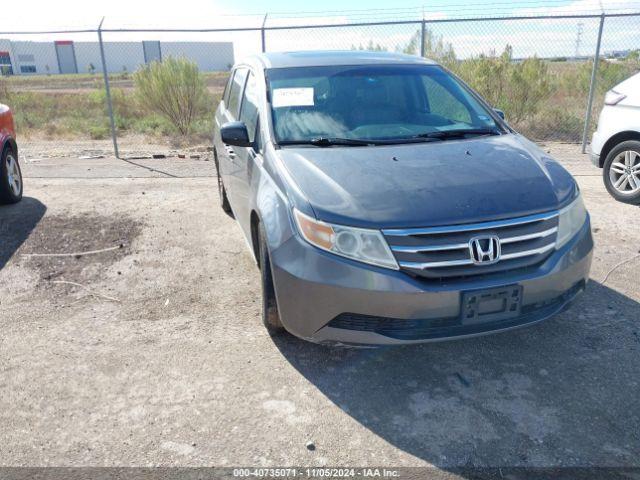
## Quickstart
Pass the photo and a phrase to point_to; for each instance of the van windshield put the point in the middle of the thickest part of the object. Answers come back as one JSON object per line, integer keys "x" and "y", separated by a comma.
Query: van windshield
{"x": 372, "y": 102}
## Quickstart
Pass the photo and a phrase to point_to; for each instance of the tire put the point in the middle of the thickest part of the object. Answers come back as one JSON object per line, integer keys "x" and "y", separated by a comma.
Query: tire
{"x": 270, "y": 315}
{"x": 621, "y": 172}
{"x": 222, "y": 193}
{"x": 11, "y": 185}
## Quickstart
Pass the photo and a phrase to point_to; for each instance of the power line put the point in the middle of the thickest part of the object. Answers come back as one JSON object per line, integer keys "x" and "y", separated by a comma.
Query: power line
{"x": 451, "y": 7}
{"x": 476, "y": 7}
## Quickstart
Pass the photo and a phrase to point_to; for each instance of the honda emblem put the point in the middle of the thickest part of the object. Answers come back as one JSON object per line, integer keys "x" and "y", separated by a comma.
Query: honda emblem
{"x": 485, "y": 249}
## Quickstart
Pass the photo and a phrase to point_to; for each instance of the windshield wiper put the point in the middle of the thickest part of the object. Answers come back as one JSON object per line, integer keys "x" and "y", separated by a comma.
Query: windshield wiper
{"x": 353, "y": 142}
{"x": 459, "y": 133}
{"x": 329, "y": 141}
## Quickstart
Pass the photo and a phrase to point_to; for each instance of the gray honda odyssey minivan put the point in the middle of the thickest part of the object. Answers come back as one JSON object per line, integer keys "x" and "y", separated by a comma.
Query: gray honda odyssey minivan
{"x": 385, "y": 202}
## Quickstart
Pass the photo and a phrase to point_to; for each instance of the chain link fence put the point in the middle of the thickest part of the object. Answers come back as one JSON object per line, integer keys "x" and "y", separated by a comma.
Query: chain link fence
{"x": 79, "y": 93}
{"x": 56, "y": 112}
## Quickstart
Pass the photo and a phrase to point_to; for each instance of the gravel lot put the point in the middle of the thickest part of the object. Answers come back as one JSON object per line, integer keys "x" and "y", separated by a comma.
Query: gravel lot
{"x": 158, "y": 355}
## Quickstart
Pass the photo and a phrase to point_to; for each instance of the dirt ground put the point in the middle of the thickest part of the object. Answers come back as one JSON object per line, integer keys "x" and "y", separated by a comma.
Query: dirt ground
{"x": 152, "y": 351}
{"x": 132, "y": 146}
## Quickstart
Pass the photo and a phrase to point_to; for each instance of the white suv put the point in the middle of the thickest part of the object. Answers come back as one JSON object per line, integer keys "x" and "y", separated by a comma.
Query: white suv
{"x": 615, "y": 146}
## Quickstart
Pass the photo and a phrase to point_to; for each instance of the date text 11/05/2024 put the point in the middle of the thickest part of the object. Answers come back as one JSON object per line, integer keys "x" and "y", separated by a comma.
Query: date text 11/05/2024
{"x": 325, "y": 472}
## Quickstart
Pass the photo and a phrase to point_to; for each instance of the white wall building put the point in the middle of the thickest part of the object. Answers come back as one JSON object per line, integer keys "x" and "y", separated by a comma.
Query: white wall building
{"x": 65, "y": 56}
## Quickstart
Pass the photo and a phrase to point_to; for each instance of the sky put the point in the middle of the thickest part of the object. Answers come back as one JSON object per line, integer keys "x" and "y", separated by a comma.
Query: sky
{"x": 36, "y": 14}
{"x": 543, "y": 38}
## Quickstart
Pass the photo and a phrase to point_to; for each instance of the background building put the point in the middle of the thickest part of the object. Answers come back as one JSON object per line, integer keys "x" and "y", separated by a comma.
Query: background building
{"x": 66, "y": 56}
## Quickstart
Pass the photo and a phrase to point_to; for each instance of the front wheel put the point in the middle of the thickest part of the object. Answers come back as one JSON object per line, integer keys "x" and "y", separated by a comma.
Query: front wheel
{"x": 270, "y": 315}
{"x": 10, "y": 177}
{"x": 621, "y": 172}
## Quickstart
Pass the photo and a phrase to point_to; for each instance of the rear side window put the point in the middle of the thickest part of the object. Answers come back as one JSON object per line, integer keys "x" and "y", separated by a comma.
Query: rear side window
{"x": 235, "y": 93}
{"x": 249, "y": 109}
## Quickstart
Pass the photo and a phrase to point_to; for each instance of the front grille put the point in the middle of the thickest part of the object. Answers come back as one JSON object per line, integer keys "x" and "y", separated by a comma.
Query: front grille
{"x": 443, "y": 252}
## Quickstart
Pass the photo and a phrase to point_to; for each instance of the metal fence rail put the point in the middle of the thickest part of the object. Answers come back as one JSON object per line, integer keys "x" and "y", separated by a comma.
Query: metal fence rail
{"x": 548, "y": 73}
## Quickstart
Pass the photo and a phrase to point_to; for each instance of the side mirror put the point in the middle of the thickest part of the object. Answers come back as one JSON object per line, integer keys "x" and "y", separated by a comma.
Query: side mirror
{"x": 499, "y": 112}
{"x": 235, "y": 133}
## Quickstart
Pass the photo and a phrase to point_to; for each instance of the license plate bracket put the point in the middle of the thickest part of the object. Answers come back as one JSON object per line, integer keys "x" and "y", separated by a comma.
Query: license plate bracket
{"x": 491, "y": 304}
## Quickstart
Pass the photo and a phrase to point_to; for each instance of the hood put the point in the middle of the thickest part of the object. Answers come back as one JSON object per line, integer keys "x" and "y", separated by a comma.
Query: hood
{"x": 429, "y": 184}
{"x": 630, "y": 88}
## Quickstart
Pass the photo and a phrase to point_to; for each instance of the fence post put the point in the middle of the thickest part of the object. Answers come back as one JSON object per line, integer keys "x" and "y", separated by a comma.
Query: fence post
{"x": 262, "y": 32}
{"x": 423, "y": 27}
{"x": 108, "y": 91}
{"x": 592, "y": 87}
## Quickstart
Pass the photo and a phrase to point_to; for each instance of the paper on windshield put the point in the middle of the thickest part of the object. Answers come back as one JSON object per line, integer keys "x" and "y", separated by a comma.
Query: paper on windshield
{"x": 292, "y": 97}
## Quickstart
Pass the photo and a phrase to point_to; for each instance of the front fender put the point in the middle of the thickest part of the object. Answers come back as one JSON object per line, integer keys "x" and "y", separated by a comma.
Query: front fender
{"x": 275, "y": 194}
{"x": 273, "y": 209}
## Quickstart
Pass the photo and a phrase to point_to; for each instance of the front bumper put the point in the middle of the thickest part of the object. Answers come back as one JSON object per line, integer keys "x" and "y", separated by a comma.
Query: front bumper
{"x": 595, "y": 148}
{"x": 317, "y": 292}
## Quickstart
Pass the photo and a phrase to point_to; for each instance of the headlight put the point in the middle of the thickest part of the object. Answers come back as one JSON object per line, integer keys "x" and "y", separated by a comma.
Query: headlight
{"x": 368, "y": 246}
{"x": 570, "y": 221}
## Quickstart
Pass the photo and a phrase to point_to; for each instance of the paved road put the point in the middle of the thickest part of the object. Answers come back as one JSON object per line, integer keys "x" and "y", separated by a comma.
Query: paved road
{"x": 159, "y": 358}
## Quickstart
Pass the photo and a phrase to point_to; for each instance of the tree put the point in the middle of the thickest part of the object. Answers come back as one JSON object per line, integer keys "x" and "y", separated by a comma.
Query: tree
{"x": 529, "y": 84}
{"x": 370, "y": 47}
{"x": 634, "y": 56}
{"x": 517, "y": 87}
{"x": 435, "y": 48}
{"x": 174, "y": 89}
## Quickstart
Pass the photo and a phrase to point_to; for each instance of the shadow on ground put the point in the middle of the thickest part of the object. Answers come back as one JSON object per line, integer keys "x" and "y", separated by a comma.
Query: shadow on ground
{"x": 16, "y": 224}
{"x": 563, "y": 392}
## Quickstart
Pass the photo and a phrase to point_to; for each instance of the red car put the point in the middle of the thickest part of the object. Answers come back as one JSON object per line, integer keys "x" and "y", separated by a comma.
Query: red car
{"x": 10, "y": 174}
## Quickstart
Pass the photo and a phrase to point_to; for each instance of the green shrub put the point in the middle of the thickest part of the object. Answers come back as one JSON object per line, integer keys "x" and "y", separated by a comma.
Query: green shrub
{"x": 154, "y": 125}
{"x": 174, "y": 89}
{"x": 372, "y": 47}
{"x": 529, "y": 86}
{"x": 99, "y": 132}
{"x": 518, "y": 88}
{"x": 5, "y": 90}
{"x": 555, "y": 123}
{"x": 488, "y": 75}
{"x": 608, "y": 75}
